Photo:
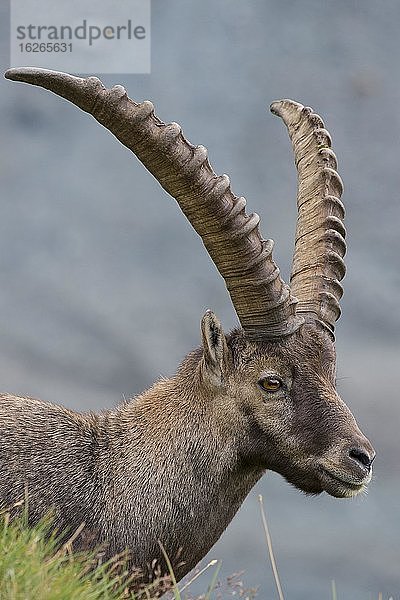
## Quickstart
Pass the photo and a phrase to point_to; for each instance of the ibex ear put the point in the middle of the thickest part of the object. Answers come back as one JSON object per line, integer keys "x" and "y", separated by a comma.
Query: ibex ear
{"x": 215, "y": 349}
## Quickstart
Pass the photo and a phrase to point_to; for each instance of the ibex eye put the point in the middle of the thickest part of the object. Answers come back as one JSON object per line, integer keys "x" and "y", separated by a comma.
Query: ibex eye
{"x": 270, "y": 384}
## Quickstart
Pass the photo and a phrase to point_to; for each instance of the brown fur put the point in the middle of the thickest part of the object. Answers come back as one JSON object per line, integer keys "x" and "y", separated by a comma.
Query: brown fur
{"x": 175, "y": 463}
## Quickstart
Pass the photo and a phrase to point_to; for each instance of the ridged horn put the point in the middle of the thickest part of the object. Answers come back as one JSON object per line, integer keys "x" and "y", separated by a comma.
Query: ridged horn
{"x": 320, "y": 246}
{"x": 263, "y": 302}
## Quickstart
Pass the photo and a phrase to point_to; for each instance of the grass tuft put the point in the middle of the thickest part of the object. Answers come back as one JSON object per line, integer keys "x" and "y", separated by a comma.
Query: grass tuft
{"x": 34, "y": 564}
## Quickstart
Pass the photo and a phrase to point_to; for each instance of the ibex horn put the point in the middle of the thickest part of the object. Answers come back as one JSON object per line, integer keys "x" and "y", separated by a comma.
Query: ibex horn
{"x": 263, "y": 302}
{"x": 319, "y": 246}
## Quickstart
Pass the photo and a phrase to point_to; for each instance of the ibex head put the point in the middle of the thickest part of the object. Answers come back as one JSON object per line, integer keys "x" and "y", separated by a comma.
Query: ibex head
{"x": 270, "y": 384}
{"x": 279, "y": 397}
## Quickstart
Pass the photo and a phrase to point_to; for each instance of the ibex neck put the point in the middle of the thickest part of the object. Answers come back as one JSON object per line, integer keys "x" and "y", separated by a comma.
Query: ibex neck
{"x": 192, "y": 479}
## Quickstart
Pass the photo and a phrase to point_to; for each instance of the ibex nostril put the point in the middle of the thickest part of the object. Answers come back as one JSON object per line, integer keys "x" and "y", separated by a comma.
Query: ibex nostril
{"x": 362, "y": 457}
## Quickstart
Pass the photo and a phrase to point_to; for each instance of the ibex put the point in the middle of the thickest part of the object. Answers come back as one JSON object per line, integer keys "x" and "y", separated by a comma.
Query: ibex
{"x": 174, "y": 464}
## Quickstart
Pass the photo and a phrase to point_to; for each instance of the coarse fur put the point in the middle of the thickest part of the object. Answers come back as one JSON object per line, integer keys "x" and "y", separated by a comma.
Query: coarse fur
{"x": 175, "y": 463}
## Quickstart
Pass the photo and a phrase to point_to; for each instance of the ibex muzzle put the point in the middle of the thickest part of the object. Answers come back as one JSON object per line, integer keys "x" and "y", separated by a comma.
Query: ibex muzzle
{"x": 174, "y": 464}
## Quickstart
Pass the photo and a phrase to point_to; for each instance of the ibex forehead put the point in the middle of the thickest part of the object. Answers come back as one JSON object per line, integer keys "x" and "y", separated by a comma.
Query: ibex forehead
{"x": 262, "y": 363}
{"x": 260, "y": 357}
{"x": 307, "y": 350}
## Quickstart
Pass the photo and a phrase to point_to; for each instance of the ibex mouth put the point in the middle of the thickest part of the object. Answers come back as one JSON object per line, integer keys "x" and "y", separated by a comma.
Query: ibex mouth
{"x": 343, "y": 485}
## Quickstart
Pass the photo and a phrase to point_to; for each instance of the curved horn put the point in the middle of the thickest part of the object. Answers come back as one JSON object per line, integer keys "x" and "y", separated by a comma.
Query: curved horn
{"x": 262, "y": 301}
{"x": 319, "y": 246}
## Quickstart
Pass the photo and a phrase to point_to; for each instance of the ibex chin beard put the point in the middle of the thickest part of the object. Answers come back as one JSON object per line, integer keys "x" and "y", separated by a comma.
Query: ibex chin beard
{"x": 341, "y": 485}
{"x": 174, "y": 464}
{"x": 349, "y": 475}
{"x": 337, "y": 478}
{"x": 343, "y": 471}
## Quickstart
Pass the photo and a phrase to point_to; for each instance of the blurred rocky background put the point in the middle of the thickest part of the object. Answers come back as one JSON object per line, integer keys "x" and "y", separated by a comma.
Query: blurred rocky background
{"x": 103, "y": 282}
